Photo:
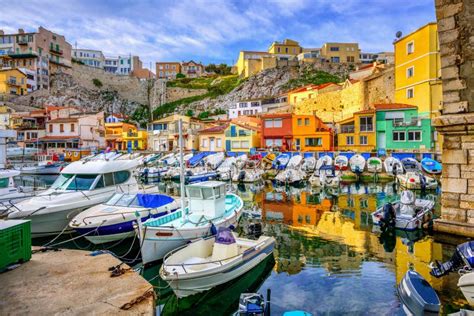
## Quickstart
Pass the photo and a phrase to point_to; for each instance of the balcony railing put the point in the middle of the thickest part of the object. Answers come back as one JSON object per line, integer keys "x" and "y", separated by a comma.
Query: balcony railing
{"x": 347, "y": 129}
{"x": 367, "y": 128}
{"x": 415, "y": 121}
{"x": 13, "y": 82}
{"x": 22, "y": 41}
{"x": 56, "y": 50}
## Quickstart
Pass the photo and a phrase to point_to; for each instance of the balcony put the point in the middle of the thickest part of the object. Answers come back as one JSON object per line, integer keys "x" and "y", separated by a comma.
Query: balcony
{"x": 22, "y": 41}
{"x": 25, "y": 54}
{"x": 345, "y": 129}
{"x": 415, "y": 121}
{"x": 13, "y": 82}
{"x": 366, "y": 128}
{"x": 56, "y": 51}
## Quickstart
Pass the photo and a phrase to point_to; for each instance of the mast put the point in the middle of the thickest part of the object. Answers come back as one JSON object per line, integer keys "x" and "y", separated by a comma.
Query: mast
{"x": 181, "y": 167}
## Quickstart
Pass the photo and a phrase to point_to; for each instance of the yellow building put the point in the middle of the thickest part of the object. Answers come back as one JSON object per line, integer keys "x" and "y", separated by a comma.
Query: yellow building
{"x": 418, "y": 70}
{"x": 252, "y": 62}
{"x": 212, "y": 138}
{"x": 287, "y": 47}
{"x": 121, "y": 136}
{"x": 310, "y": 91}
{"x": 12, "y": 82}
{"x": 358, "y": 132}
{"x": 341, "y": 52}
{"x": 242, "y": 135}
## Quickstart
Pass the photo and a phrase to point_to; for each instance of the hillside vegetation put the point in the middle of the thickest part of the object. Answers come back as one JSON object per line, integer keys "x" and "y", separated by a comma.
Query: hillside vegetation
{"x": 311, "y": 76}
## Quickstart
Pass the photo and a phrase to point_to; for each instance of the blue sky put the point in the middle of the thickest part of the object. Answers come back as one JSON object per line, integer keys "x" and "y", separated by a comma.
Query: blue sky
{"x": 216, "y": 30}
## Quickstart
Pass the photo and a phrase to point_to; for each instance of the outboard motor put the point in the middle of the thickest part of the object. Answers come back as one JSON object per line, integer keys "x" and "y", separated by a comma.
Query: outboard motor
{"x": 407, "y": 201}
{"x": 422, "y": 181}
{"x": 254, "y": 230}
{"x": 463, "y": 257}
{"x": 241, "y": 176}
{"x": 389, "y": 217}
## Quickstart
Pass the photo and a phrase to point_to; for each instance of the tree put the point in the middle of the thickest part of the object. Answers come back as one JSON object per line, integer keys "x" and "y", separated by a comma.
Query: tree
{"x": 189, "y": 113}
{"x": 180, "y": 75}
{"x": 221, "y": 69}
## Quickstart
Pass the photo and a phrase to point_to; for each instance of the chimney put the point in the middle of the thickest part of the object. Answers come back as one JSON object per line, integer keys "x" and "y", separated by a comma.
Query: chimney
{"x": 21, "y": 31}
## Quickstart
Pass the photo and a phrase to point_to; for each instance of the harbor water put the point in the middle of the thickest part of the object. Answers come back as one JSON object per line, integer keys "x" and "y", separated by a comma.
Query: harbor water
{"x": 329, "y": 259}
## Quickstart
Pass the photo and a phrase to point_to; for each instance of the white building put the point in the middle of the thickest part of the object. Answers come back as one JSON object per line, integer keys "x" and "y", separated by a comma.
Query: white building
{"x": 383, "y": 57}
{"x": 31, "y": 83}
{"x": 89, "y": 57}
{"x": 247, "y": 107}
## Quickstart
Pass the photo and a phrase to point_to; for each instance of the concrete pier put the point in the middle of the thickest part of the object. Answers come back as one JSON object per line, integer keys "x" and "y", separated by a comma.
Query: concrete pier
{"x": 73, "y": 282}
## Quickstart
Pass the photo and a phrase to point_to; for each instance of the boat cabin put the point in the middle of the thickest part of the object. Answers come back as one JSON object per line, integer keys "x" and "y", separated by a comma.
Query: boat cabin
{"x": 6, "y": 180}
{"x": 207, "y": 198}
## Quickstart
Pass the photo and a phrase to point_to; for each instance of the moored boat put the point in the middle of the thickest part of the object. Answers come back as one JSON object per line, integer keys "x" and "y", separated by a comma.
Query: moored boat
{"x": 410, "y": 164}
{"x": 295, "y": 162}
{"x": 281, "y": 161}
{"x": 290, "y": 177}
{"x": 207, "y": 263}
{"x": 341, "y": 162}
{"x": 393, "y": 165}
{"x": 431, "y": 166}
{"x": 357, "y": 163}
{"x": 415, "y": 180}
{"x": 267, "y": 161}
{"x": 309, "y": 164}
{"x": 417, "y": 295}
{"x": 374, "y": 165}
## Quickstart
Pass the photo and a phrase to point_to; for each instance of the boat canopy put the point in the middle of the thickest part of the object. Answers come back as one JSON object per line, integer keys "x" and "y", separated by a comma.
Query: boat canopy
{"x": 153, "y": 200}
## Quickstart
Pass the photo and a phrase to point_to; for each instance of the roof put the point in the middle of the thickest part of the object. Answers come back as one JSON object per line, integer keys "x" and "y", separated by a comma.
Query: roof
{"x": 63, "y": 120}
{"x": 418, "y": 29}
{"x": 394, "y": 106}
{"x": 119, "y": 124}
{"x": 250, "y": 127}
{"x": 312, "y": 87}
{"x": 276, "y": 115}
{"x": 119, "y": 115}
{"x": 214, "y": 129}
{"x": 368, "y": 111}
{"x": 51, "y": 137}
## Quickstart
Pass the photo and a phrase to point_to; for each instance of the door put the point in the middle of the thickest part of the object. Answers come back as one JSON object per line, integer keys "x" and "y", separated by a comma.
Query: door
{"x": 381, "y": 141}
{"x": 212, "y": 144}
{"x": 227, "y": 145}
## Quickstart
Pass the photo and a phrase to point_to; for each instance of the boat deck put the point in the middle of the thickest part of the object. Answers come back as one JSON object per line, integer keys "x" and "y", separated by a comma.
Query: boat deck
{"x": 72, "y": 282}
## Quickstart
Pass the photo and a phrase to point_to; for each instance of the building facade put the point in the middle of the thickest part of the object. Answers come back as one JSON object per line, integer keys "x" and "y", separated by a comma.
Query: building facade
{"x": 12, "y": 82}
{"x": 287, "y": 47}
{"x": 167, "y": 70}
{"x": 124, "y": 136}
{"x": 89, "y": 57}
{"x": 213, "y": 138}
{"x": 243, "y": 134}
{"x": 341, "y": 52}
{"x": 245, "y": 107}
{"x": 311, "y": 134}
{"x": 310, "y": 91}
{"x": 192, "y": 69}
{"x": 277, "y": 130}
{"x": 358, "y": 132}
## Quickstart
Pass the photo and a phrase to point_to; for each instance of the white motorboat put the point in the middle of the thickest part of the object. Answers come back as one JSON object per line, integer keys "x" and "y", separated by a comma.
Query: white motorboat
{"x": 357, "y": 163}
{"x": 226, "y": 169}
{"x": 16, "y": 152}
{"x": 9, "y": 191}
{"x": 410, "y": 164}
{"x": 393, "y": 165}
{"x": 409, "y": 213}
{"x": 323, "y": 161}
{"x": 309, "y": 164}
{"x": 281, "y": 161}
{"x": 294, "y": 162}
{"x": 247, "y": 175}
{"x": 415, "y": 180}
{"x": 241, "y": 161}
{"x": 341, "y": 162}
{"x": 80, "y": 185}
{"x": 374, "y": 165}
{"x": 290, "y": 177}
{"x": 328, "y": 177}
{"x": 113, "y": 220}
{"x": 213, "y": 161}
{"x": 46, "y": 165}
{"x": 208, "y": 206}
{"x": 207, "y": 263}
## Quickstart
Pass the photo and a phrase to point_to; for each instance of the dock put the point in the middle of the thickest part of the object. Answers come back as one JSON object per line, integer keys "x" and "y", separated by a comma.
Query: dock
{"x": 73, "y": 282}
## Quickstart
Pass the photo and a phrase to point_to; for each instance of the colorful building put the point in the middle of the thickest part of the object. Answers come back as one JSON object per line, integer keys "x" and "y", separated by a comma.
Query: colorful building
{"x": 358, "y": 132}
{"x": 399, "y": 127}
{"x": 311, "y": 134}
{"x": 277, "y": 131}
{"x": 287, "y": 47}
{"x": 213, "y": 138}
{"x": 242, "y": 134}
{"x": 12, "y": 82}
{"x": 418, "y": 70}
{"x": 192, "y": 69}
{"x": 341, "y": 52}
{"x": 163, "y": 133}
{"x": 167, "y": 70}
{"x": 122, "y": 136}
{"x": 310, "y": 91}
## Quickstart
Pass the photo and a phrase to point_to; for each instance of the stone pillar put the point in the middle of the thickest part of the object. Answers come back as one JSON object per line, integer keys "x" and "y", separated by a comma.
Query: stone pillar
{"x": 456, "y": 124}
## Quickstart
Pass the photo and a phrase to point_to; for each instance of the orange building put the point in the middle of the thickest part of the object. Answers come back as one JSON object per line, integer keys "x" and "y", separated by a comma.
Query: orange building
{"x": 311, "y": 134}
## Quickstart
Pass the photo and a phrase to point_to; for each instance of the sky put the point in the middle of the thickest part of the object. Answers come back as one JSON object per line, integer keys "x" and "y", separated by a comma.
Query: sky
{"x": 214, "y": 31}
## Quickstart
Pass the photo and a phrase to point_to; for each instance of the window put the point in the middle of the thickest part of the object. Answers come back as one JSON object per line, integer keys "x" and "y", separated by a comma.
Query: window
{"x": 335, "y": 59}
{"x": 121, "y": 177}
{"x": 399, "y": 136}
{"x": 204, "y": 142}
{"x": 72, "y": 127}
{"x": 286, "y": 50}
{"x": 350, "y": 59}
{"x": 410, "y": 72}
{"x": 410, "y": 93}
{"x": 349, "y": 140}
{"x": 82, "y": 182}
{"x": 109, "y": 179}
{"x": 300, "y": 122}
{"x": 236, "y": 144}
{"x": 245, "y": 144}
{"x": 273, "y": 142}
{"x": 50, "y": 128}
{"x": 410, "y": 47}
{"x": 334, "y": 49}
{"x": 273, "y": 123}
{"x": 219, "y": 142}
{"x": 313, "y": 141}
{"x": 414, "y": 136}
{"x": 363, "y": 140}
{"x": 278, "y": 49}
{"x": 306, "y": 122}
{"x": 61, "y": 128}
{"x": 366, "y": 124}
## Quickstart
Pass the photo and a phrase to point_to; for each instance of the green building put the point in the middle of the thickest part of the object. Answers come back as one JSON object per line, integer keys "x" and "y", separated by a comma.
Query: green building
{"x": 399, "y": 127}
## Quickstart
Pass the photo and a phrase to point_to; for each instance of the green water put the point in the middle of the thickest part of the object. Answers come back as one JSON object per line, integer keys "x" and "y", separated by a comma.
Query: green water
{"x": 327, "y": 258}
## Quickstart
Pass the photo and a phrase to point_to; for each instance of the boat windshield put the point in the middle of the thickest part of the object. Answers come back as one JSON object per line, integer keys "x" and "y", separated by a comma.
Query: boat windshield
{"x": 74, "y": 182}
{"x": 120, "y": 199}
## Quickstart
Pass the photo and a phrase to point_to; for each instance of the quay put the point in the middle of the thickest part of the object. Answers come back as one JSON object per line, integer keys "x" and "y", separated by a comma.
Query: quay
{"x": 74, "y": 282}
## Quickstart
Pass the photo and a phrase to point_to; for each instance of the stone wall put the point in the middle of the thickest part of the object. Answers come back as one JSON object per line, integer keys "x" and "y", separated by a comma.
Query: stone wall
{"x": 380, "y": 88}
{"x": 173, "y": 94}
{"x": 456, "y": 124}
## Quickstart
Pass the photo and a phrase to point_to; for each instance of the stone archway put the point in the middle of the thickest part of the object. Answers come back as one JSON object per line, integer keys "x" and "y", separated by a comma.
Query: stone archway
{"x": 456, "y": 124}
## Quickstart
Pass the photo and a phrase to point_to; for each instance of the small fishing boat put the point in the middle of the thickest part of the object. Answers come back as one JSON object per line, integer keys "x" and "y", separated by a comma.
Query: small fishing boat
{"x": 374, "y": 165}
{"x": 328, "y": 177}
{"x": 309, "y": 164}
{"x": 267, "y": 161}
{"x": 209, "y": 262}
{"x": 43, "y": 167}
{"x": 290, "y": 177}
{"x": 281, "y": 161}
{"x": 198, "y": 176}
{"x": 357, "y": 163}
{"x": 462, "y": 261}
{"x": 393, "y": 165}
{"x": 241, "y": 161}
{"x": 431, "y": 166}
{"x": 113, "y": 220}
{"x": 196, "y": 159}
{"x": 323, "y": 161}
{"x": 411, "y": 164}
{"x": 225, "y": 170}
{"x": 415, "y": 180}
{"x": 417, "y": 295}
{"x": 213, "y": 161}
{"x": 466, "y": 284}
{"x": 294, "y": 162}
{"x": 208, "y": 206}
{"x": 247, "y": 175}
{"x": 409, "y": 213}
{"x": 341, "y": 162}
{"x": 9, "y": 191}
{"x": 254, "y": 161}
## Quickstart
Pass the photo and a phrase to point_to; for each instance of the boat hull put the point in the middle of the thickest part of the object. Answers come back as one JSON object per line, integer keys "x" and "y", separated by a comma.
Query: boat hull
{"x": 466, "y": 284}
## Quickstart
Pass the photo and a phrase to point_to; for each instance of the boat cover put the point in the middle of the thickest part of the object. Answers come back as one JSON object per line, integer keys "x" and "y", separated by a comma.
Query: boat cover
{"x": 224, "y": 236}
{"x": 153, "y": 200}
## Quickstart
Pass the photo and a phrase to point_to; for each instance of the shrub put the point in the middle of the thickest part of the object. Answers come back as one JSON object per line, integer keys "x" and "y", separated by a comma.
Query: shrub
{"x": 180, "y": 75}
{"x": 97, "y": 83}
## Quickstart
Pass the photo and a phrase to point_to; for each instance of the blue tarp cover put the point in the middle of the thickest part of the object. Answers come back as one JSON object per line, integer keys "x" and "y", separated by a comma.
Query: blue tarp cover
{"x": 427, "y": 155}
{"x": 347, "y": 154}
{"x": 365, "y": 155}
{"x": 307, "y": 155}
{"x": 330, "y": 154}
{"x": 153, "y": 200}
{"x": 401, "y": 156}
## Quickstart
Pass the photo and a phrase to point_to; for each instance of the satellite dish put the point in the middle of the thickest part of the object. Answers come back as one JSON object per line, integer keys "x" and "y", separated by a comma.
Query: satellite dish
{"x": 398, "y": 34}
